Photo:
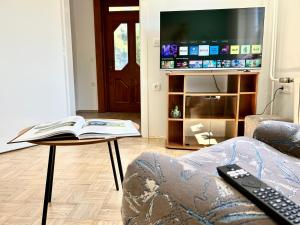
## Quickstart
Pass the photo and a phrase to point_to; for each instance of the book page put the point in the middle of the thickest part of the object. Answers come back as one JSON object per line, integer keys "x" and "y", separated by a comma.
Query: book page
{"x": 103, "y": 128}
{"x": 69, "y": 125}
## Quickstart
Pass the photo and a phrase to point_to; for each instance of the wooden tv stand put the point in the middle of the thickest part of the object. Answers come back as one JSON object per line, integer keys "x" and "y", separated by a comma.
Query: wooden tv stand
{"x": 211, "y": 116}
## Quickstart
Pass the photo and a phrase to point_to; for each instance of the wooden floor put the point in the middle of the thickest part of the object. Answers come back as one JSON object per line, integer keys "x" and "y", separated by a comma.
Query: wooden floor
{"x": 83, "y": 192}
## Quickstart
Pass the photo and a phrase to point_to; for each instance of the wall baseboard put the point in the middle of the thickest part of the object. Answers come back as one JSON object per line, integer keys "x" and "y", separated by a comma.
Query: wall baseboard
{"x": 86, "y": 111}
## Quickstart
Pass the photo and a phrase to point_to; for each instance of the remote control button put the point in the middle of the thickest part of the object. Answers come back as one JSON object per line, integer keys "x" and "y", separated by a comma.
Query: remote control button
{"x": 263, "y": 196}
{"x": 283, "y": 204}
{"x": 282, "y": 210}
{"x": 268, "y": 188}
{"x": 255, "y": 191}
{"x": 297, "y": 221}
{"x": 292, "y": 217}
{"x": 295, "y": 211}
{"x": 298, "y": 215}
{"x": 262, "y": 189}
{"x": 287, "y": 214}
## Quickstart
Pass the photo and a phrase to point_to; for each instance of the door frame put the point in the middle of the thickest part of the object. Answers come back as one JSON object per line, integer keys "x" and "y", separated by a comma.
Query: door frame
{"x": 101, "y": 57}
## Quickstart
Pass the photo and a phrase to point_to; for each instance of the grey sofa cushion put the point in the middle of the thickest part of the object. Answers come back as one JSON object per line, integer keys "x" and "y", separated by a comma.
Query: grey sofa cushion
{"x": 283, "y": 136}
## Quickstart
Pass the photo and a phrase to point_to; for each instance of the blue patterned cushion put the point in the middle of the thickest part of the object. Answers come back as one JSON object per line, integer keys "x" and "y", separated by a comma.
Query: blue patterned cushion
{"x": 161, "y": 190}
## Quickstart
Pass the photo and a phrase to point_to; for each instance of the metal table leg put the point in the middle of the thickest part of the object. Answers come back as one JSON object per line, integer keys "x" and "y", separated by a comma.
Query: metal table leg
{"x": 49, "y": 183}
{"x": 119, "y": 160}
{"x": 113, "y": 165}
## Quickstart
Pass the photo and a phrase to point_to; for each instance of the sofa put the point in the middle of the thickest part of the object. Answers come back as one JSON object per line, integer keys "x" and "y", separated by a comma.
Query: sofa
{"x": 160, "y": 190}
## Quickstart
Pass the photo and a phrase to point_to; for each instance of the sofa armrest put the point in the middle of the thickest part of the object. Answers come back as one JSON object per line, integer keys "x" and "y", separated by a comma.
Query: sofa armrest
{"x": 282, "y": 136}
{"x": 161, "y": 190}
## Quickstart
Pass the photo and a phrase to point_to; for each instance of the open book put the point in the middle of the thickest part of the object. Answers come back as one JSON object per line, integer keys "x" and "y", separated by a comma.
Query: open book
{"x": 76, "y": 127}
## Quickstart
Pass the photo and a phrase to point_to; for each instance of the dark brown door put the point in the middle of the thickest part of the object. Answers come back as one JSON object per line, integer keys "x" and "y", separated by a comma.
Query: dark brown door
{"x": 122, "y": 50}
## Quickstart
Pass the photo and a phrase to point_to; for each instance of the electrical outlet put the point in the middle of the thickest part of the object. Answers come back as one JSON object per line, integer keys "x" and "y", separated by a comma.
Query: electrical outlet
{"x": 156, "y": 86}
{"x": 287, "y": 88}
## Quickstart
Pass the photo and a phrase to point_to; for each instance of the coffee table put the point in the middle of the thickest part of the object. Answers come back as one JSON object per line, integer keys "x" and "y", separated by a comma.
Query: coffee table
{"x": 51, "y": 162}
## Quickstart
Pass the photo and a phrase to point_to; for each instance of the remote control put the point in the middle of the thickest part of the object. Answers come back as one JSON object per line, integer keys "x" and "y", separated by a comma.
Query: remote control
{"x": 277, "y": 206}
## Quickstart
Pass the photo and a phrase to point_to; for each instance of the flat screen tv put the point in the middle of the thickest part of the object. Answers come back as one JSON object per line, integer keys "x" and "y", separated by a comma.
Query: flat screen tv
{"x": 212, "y": 39}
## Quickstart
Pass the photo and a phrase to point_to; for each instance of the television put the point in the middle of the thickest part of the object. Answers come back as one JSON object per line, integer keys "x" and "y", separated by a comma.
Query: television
{"x": 212, "y": 39}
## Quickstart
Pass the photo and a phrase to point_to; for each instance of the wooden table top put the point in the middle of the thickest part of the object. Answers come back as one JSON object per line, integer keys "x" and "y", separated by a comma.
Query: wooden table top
{"x": 77, "y": 142}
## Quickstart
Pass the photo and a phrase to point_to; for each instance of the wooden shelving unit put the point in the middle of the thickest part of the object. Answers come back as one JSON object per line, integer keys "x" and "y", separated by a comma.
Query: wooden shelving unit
{"x": 211, "y": 116}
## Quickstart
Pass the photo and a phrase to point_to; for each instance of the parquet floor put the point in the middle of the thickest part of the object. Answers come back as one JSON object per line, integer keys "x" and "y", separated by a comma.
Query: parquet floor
{"x": 83, "y": 190}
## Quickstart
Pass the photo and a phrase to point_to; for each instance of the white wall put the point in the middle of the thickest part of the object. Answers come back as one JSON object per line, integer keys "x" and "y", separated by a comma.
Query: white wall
{"x": 288, "y": 49}
{"x": 82, "y": 17}
{"x": 35, "y": 70}
{"x": 150, "y": 73}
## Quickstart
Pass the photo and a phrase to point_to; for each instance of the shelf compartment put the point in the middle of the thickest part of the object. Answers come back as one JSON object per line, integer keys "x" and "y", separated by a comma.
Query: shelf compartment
{"x": 248, "y": 83}
{"x": 247, "y": 106}
{"x": 201, "y": 133}
{"x": 232, "y": 84}
{"x": 176, "y": 100}
{"x": 241, "y": 128}
{"x": 175, "y": 133}
{"x": 223, "y": 107}
{"x": 176, "y": 84}
{"x": 210, "y": 94}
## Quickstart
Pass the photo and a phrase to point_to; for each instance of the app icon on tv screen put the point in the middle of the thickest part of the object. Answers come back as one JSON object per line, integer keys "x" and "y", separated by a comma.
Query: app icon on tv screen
{"x": 182, "y": 64}
{"x": 238, "y": 63}
{"x": 224, "y": 50}
{"x": 226, "y": 63}
{"x": 245, "y": 49}
{"x": 234, "y": 49}
{"x": 183, "y": 50}
{"x": 169, "y": 50}
{"x": 194, "y": 50}
{"x": 214, "y": 50}
{"x": 203, "y": 50}
{"x": 167, "y": 64}
{"x": 253, "y": 63}
{"x": 209, "y": 63}
{"x": 195, "y": 64}
{"x": 256, "y": 49}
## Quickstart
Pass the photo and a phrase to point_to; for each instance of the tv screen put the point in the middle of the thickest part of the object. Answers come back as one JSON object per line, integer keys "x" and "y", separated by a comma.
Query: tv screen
{"x": 212, "y": 39}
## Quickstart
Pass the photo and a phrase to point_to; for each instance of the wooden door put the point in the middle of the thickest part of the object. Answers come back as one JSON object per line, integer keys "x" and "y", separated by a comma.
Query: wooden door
{"x": 122, "y": 50}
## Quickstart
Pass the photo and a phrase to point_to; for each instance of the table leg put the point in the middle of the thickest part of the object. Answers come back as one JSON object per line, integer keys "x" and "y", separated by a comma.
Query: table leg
{"x": 119, "y": 160}
{"x": 113, "y": 165}
{"x": 48, "y": 183}
{"x": 52, "y": 173}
